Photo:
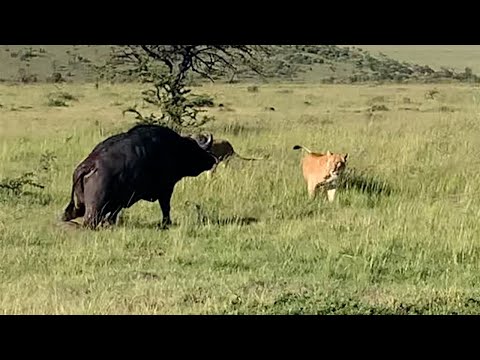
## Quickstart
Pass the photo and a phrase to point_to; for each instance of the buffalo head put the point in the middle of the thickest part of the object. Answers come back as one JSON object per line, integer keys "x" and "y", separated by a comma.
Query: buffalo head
{"x": 197, "y": 157}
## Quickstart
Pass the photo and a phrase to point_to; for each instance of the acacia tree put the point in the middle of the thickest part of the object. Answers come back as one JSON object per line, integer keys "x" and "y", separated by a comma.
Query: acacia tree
{"x": 167, "y": 67}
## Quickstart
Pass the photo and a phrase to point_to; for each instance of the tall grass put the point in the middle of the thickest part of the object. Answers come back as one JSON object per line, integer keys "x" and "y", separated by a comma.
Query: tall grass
{"x": 401, "y": 237}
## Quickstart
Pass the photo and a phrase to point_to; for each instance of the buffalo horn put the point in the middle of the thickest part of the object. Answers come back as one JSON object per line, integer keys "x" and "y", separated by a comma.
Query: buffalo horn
{"x": 208, "y": 142}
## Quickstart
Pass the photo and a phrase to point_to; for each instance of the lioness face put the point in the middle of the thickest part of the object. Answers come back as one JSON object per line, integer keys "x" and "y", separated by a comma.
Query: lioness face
{"x": 336, "y": 165}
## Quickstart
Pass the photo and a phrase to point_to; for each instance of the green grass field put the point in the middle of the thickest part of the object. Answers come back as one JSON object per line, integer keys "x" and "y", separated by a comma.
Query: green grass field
{"x": 249, "y": 241}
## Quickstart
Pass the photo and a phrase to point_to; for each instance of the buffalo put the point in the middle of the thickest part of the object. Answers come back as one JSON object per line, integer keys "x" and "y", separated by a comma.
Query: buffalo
{"x": 144, "y": 163}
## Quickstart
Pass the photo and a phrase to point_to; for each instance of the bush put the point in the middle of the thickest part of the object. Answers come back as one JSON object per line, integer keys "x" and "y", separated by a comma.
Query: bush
{"x": 202, "y": 101}
{"x": 60, "y": 99}
{"x": 56, "y": 103}
{"x": 56, "y": 77}
{"x": 379, "y": 108}
{"x": 26, "y": 78}
{"x": 16, "y": 185}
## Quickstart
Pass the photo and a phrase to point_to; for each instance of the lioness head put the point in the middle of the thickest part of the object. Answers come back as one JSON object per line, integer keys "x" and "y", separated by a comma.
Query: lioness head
{"x": 336, "y": 164}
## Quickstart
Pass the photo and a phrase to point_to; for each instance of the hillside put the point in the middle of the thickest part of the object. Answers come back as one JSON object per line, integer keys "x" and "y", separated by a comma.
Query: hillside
{"x": 436, "y": 56}
{"x": 39, "y": 62}
{"x": 299, "y": 63}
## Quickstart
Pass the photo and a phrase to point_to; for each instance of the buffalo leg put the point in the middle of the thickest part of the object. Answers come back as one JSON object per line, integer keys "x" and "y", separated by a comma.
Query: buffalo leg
{"x": 94, "y": 216}
{"x": 112, "y": 217}
{"x": 96, "y": 200}
{"x": 76, "y": 207}
{"x": 164, "y": 202}
{"x": 212, "y": 171}
{"x": 72, "y": 212}
{"x": 226, "y": 162}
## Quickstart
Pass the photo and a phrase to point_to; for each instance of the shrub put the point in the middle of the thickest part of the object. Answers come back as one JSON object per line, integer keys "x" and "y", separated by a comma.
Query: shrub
{"x": 202, "y": 101}
{"x": 60, "y": 99}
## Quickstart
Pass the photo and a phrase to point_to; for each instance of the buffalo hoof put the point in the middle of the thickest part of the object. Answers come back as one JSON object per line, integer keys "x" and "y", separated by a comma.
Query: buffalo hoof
{"x": 165, "y": 224}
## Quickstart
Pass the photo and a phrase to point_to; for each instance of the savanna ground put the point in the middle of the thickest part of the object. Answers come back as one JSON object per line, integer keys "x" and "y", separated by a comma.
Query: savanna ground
{"x": 249, "y": 241}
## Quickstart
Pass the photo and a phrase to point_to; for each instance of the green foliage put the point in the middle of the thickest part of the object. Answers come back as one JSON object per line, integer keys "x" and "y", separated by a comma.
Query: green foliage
{"x": 25, "y": 77}
{"x": 167, "y": 67}
{"x": 310, "y": 63}
{"x": 56, "y": 77}
{"x": 16, "y": 185}
{"x": 201, "y": 101}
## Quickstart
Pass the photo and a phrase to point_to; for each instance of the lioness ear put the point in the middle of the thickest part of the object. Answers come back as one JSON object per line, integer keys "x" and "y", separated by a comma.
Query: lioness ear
{"x": 345, "y": 157}
{"x": 329, "y": 153}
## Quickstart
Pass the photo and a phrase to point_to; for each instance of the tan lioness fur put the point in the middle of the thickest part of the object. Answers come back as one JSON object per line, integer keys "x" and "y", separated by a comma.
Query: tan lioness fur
{"x": 224, "y": 152}
{"x": 322, "y": 171}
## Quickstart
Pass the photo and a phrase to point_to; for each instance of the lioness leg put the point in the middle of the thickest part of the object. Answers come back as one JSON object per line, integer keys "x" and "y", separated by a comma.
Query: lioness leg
{"x": 331, "y": 194}
{"x": 312, "y": 189}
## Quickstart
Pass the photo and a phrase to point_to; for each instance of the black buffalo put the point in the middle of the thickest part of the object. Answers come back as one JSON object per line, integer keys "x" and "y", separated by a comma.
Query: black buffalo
{"x": 143, "y": 163}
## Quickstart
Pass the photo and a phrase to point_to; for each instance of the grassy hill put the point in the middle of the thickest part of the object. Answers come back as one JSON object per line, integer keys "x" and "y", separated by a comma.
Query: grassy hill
{"x": 436, "y": 56}
{"x": 40, "y": 62}
{"x": 299, "y": 63}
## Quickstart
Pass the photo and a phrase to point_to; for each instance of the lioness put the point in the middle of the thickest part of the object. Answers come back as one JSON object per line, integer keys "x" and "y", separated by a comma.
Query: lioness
{"x": 322, "y": 170}
{"x": 223, "y": 151}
